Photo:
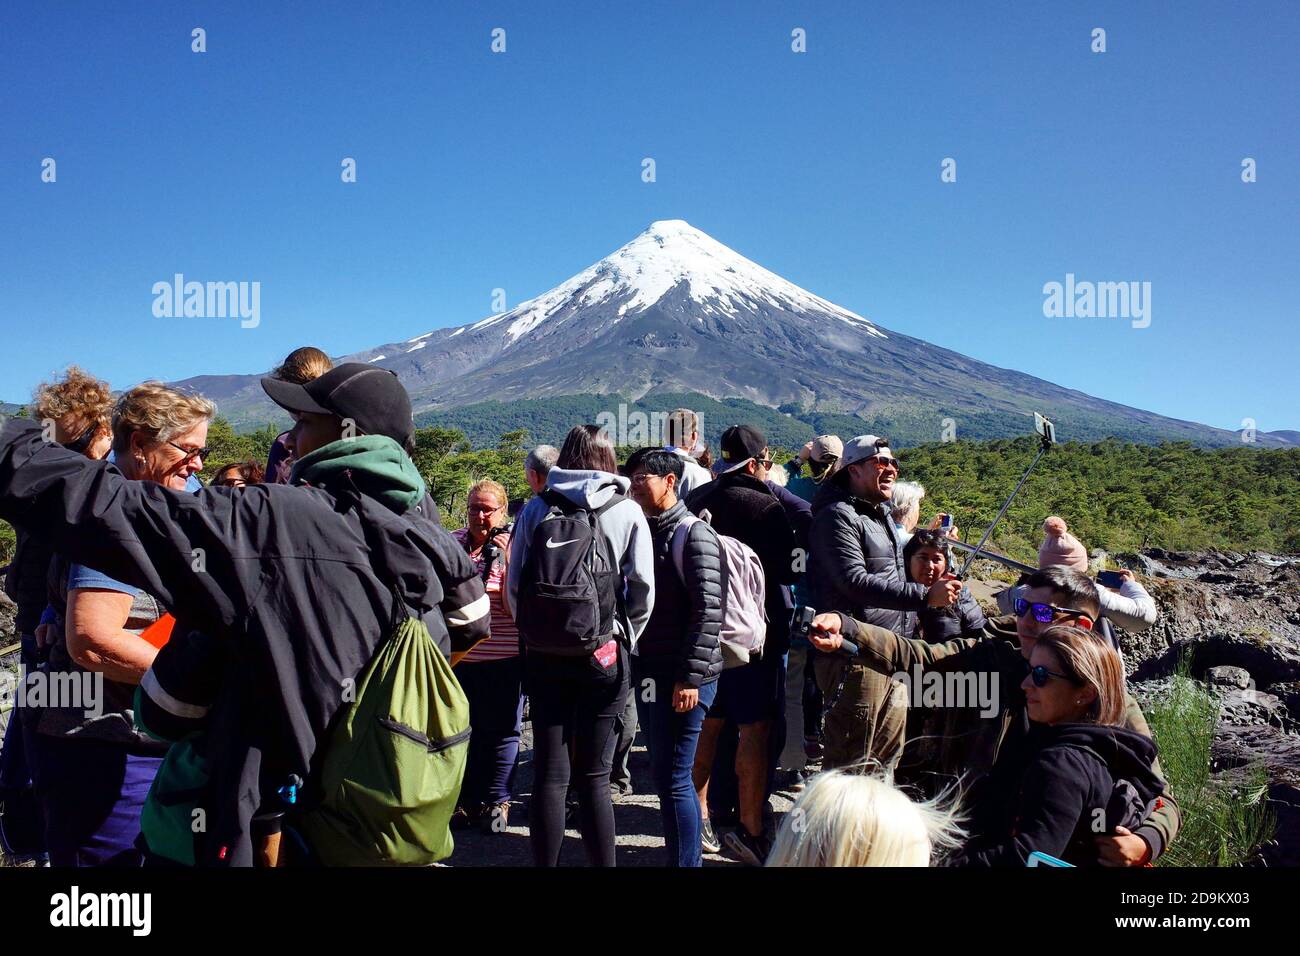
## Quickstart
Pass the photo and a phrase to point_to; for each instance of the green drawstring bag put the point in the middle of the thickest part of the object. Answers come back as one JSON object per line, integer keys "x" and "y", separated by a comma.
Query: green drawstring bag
{"x": 395, "y": 761}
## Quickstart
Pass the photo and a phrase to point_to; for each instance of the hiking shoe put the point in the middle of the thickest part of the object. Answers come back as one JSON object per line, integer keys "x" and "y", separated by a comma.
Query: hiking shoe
{"x": 494, "y": 818}
{"x": 618, "y": 793}
{"x": 750, "y": 850}
{"x": 791, "y": 781}
{"x": 462, "y": 818}
{"x": 709, "y": 841}
{"x": 812, "y": 748}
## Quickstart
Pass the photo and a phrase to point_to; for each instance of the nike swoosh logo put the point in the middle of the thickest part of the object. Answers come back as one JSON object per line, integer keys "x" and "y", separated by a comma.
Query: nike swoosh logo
{"x": 552, "y": 543}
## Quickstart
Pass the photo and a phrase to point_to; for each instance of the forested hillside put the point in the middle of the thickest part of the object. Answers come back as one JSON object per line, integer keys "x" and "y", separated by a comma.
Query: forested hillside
{"x": 1115, "y": 496}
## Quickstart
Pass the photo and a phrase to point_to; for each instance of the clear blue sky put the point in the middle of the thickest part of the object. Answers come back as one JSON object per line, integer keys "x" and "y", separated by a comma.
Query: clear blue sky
{"x": 478, "y": 171}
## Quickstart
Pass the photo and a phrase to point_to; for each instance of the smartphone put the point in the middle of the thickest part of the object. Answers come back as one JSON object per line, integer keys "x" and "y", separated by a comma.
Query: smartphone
{"x": 945, "y": 524}
{"x": 1045, "y": 428}
{"x": 1039, "y": 858}
{"x": 1110, "y": 579}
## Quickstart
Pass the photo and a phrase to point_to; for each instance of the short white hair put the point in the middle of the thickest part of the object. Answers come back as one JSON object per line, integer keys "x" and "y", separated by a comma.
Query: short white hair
{"x": 854, "y": 819}
{"x": 907, "y": 495}
{"x": 542, "y": 459}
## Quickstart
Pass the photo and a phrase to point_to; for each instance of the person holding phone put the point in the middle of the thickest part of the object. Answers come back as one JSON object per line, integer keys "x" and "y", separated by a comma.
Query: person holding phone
{"x": 1050, "y": 597}
{"x": 856, "y": 566}
{"x": 1124, "y": 602}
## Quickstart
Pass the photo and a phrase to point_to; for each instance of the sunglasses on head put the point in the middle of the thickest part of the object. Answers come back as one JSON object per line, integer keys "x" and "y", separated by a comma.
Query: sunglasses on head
{"x": 1046, "y": 613}
{"x": 82, "y": 441}
{"x": 1040, "y": 675}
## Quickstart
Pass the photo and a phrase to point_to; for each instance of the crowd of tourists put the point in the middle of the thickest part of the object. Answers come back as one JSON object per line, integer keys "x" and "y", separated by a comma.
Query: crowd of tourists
{"x": 298, "y": 664}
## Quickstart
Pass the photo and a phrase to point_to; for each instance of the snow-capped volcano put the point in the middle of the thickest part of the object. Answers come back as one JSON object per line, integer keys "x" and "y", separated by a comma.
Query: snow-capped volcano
{"x": 670, "y": 253}
{"x": 673, "y": 311}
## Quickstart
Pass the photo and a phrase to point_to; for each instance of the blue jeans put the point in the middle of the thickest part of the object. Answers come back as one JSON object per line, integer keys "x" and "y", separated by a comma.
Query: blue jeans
{"x": 671, "y": 739}
{"x": 496, "y": 710}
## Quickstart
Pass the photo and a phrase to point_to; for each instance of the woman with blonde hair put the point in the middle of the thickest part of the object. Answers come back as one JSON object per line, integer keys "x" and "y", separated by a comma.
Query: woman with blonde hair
{"x": 75, "y": 411}
{"x": 1082, "y": 774}
{"x": 490, "y": 672}
{"x": 300, "y": 366}
{"x": 851, "y": 819}
{"x": 95, "y": 768}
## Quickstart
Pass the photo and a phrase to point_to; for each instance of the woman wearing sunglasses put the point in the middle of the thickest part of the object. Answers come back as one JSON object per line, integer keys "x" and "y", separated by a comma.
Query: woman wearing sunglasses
{"x": 1080, "y": 772}
{"x": 95, "y": 768}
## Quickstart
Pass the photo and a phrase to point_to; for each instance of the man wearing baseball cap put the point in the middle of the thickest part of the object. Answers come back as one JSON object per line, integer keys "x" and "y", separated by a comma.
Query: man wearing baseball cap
{"x": 741, "y": 505}
{"x": 820, "y": 455}
{"x": 282, "y": 593}
{"x": 856, "y": 567}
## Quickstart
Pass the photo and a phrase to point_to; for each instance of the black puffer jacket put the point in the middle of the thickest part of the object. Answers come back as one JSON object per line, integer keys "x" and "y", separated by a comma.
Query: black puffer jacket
{"x": 744, "y": 508}
{"x": 1077, "y": 781}
{"x": 856, "y": 562}
{"x": 682, "y": 634}
{"x": 963, "y": 619}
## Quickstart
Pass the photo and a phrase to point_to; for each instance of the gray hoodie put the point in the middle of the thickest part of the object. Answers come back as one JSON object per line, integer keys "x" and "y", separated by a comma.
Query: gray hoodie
{"x": 624, "y": 526}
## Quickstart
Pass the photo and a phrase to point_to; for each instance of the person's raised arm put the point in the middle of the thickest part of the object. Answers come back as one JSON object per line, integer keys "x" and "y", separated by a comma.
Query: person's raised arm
{"x": 884, "y": 651}
{"x": 180, "y": 548}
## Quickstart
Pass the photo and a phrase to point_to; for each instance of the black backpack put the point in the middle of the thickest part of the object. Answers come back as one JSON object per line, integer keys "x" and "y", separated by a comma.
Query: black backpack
{"x": 571, "y": 585}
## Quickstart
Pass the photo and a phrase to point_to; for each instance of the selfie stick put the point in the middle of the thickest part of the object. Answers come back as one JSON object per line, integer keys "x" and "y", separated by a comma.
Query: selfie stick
{"x": 1047, "y": 436}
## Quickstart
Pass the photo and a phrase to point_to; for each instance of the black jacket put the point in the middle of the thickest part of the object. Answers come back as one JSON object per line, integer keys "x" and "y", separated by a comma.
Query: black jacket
{"x": 972, "y": 746}
{"x": 856, "y": 562}
{"x": 281, "y": 595}
{"x": 682, "y": 633}
{"x": 25, "y": 581}
{"x": 963, "y": 619}
{"x": 1063, "y": 794}
{"x": 744, "y": 508}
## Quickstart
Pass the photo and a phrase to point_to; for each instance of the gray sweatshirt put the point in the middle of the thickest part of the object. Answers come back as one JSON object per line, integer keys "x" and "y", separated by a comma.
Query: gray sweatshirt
{"x": 623, "y": 525}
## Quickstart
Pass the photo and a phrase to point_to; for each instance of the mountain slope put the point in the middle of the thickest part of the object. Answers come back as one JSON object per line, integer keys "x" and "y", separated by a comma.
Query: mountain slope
{"x": 676, "y": 311}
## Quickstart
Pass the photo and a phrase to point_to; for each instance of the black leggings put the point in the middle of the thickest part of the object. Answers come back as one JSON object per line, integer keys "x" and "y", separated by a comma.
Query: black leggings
{"x": 573, "y": 703}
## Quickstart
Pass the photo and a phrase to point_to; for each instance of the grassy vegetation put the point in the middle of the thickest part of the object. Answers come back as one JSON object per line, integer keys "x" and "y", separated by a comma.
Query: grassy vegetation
{"x": 1224, "y": 823}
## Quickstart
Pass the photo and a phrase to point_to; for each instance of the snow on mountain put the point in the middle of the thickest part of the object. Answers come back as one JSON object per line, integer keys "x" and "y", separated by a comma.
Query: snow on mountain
{"x": 675, "y": 311}
{"x": 670, "y": 252}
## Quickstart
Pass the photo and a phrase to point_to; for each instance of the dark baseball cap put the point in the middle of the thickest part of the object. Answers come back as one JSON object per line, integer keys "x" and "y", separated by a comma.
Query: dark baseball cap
{"x": 742, "y": 442}
{"x": 370, "y": 396}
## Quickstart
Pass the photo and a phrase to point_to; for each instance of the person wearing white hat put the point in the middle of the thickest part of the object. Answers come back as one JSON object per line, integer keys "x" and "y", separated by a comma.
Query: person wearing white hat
{"x": 856, "y": 567}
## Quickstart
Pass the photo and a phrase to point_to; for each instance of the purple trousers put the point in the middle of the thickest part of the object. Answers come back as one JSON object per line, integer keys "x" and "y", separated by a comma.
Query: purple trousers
{"x": 92, "y": 793}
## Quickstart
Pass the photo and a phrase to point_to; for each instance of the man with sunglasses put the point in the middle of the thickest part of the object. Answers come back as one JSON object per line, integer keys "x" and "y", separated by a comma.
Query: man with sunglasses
{"x": 856, "y": 567}
{"x": 1054, "y": 595}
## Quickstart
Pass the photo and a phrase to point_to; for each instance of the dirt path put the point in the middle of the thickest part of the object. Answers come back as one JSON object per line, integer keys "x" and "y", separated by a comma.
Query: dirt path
{"x": 636, "y": 823}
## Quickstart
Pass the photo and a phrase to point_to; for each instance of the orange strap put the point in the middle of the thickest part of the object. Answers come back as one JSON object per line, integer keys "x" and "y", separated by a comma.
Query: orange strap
{"x": 160, "y": 631}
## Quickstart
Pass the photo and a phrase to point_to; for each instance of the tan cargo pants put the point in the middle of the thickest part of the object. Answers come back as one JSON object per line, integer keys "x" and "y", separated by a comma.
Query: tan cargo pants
{"x": 868, "y": 723}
